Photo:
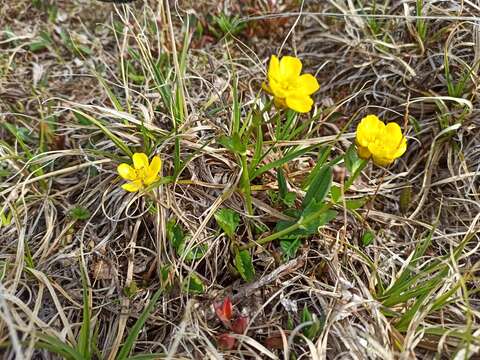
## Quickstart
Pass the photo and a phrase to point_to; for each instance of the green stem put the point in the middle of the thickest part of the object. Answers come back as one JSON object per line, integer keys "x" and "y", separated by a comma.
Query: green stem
{"x": 246, "y": 184}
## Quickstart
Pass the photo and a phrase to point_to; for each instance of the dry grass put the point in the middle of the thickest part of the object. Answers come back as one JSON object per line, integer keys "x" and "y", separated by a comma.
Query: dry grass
{"x": 101, "y": 60}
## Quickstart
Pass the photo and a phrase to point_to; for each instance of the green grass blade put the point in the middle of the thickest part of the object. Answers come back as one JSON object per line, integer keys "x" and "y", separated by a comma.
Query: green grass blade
{"x": 137, "y": 327}
{"x": 116, "y": 140}
{"x": 83, "y": 345}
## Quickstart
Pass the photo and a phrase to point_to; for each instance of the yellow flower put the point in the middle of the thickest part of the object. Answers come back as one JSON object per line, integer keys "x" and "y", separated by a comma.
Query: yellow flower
{"x": 384, "y": 143}
{"x": 288, "y": 87}
{"x": 141, "y": 174}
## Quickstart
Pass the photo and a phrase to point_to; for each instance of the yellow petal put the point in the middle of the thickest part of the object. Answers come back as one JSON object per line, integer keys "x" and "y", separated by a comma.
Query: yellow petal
{"x": 394, "y": 133}
{"x": 140, "y": 160}
{"x": 363, "y": 152}
{"x": 382, "y": 161}
{"x": 153, "y": 170}
{"x": 368, "y": 130}
{"x": 301, "y": 104}
{"x": 306, "y": 84}
{"x": 273, "y": 68}
{"x": 132, "y": 186}
{"x": 278, "y": 88}
{"x": 402, "y": 148}
{"x": 290, "y": 67}
{"x": 126, "y": 172}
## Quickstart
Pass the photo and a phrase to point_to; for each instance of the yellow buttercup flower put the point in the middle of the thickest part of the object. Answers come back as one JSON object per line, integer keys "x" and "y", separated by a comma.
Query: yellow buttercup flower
{"x": 383, "y": 143}
{"x": 288, "y": 87}
{"x": 141, "y": 174}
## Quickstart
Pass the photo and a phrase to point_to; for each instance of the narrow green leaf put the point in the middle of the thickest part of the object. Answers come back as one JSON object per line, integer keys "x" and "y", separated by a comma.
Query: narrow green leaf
{"x": 282, "y": 183}
{"x": 116, "y": 140}
{"x": 277, "y": 163}
{"x": 56, "y": 346}
{"x": 244, "y": 265}
{"x": 319, "y": 187}
{"x": 352, "y": 161}
{"x": 83, "y": 345}
{"x": 137, "y": 327}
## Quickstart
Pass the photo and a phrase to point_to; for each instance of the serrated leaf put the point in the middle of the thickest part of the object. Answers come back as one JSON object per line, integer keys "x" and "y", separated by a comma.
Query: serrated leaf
{"x": 244, "y": 265}
{"x": 290, "y": 247}
{"x": 228, "y": 220}
{"x": 319, "y": 187}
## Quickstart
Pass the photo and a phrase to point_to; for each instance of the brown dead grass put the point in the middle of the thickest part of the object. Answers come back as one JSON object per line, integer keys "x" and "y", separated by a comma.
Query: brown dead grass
{"x": 391, "y": 72}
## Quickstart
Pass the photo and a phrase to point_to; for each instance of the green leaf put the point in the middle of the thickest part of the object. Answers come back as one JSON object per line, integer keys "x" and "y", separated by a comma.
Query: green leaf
{"x": 137, "y": 327}
{"x": 131, "y": 290}
{"x": 166, "y": 276}
{"x": 289, "y": 198}
{"x": 290, "y": 247}
{"x": 355, "y": 204}
{"x": 115, "y": 139}
{"x": 83, "y": 344}
{"x": 196, "y": 253}
{"x": 82, "y": 120}
{"x": 336, "y": 193}
{"x": 79, "y": 213}
{"x": 313, "y": 330}
{"x": 316, "y": 215}
{"x": 368, "y": 237}
{"x": 193, "y": 284}
{"x": 228, "y": 220}
{"x": 244, "y": 265}
{"x": 282, "y": 183}
{"x": 175, "y": 235}
{"x": 352, "y": 161}
{"x": 233, "y": 143}
{"x": 319, "y": 187}
{"x": 277, "y": 163}
{"x": 56, "y": 346}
